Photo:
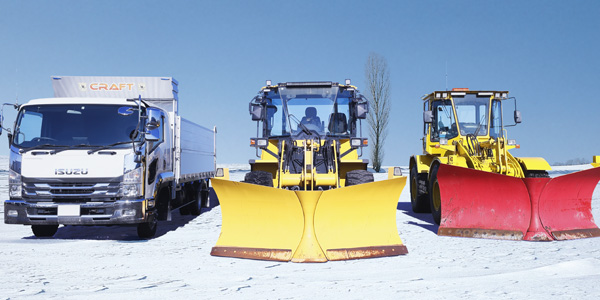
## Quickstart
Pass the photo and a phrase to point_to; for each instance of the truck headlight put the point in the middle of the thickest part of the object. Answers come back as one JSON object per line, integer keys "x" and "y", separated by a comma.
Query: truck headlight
{"x": 15, "y": 184}
{"x": 132, "y": 183}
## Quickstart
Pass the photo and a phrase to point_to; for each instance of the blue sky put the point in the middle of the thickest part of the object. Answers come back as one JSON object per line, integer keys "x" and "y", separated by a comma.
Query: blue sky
{"x": 546, "y": 53}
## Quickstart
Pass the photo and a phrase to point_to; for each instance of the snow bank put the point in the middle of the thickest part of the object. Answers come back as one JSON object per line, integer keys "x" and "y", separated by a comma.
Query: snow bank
{"x": 110, "y": 262}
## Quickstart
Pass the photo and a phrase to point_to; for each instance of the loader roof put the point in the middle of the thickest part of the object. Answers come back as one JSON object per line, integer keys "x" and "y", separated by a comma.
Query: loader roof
{"x": 462, "y": 92}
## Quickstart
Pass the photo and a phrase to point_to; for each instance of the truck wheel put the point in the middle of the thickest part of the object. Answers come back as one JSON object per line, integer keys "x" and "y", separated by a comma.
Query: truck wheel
{"x": 44, "y": 230}
{"x": 435, "y": 201}
{"x": 147, "y": 230}
{"x": 162, "y": 204}
{"x": 194, "y": 207}
{"x": 189, "y": 199}
{"x": 418, "y": 191}
{"x": 355, "y": 177}
{"x": 259, "y": 178}
{"x": 205, "y": 195}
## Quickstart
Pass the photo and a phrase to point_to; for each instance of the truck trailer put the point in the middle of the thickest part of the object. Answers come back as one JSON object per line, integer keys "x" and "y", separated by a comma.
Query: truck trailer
{"x": 106, "y": 151}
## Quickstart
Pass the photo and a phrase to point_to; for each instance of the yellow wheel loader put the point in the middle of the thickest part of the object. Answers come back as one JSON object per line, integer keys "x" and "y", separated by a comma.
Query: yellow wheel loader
{"x": 474, "y": 187}
{"x": 309, "y": 198}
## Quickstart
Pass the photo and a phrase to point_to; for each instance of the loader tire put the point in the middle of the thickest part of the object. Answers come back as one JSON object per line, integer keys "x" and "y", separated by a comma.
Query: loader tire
{"x": 355, "y": 177}
{"x": 44, "y": 230}
{"x": 435, "y": 201}
{"x": 536, "y": 174}
{"x": 418, "y": 191}
{"x": 259, "y": 178}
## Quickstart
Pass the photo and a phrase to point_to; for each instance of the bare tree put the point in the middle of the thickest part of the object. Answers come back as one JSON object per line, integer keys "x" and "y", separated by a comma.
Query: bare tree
{"x": 378, "y": 84}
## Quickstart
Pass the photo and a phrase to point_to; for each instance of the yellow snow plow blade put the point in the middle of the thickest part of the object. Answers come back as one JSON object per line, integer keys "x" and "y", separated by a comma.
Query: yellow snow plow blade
{"x": 309, "y": 226}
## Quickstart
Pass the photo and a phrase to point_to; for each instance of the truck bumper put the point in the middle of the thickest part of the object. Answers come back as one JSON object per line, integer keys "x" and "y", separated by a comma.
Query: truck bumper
{"x": 50, "y": 213}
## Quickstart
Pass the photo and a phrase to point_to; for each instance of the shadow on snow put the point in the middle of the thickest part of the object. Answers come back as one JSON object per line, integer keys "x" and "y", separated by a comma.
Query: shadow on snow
{"x": 428, "y": 224}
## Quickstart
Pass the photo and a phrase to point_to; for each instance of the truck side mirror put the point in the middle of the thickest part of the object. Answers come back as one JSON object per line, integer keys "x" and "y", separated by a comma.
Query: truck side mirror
{"x": 517, "y": 117}
{"x": 428, "y": 116}
{"x": 153, "y": 130}
{"x": 256, "y": 111}
{"x": 362, "y": 109}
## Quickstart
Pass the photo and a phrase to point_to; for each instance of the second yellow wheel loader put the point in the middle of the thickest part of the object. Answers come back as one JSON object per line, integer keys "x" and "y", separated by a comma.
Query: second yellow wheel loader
{"x": 474, "y": 187}
{"x": 309, "y": 198}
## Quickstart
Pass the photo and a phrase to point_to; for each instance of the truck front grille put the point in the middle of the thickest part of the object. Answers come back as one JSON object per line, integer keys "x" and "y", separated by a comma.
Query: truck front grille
{"x": 71, "y": 190}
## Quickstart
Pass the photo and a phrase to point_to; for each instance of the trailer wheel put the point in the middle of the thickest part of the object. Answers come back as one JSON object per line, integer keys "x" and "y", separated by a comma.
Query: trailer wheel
{"x": 435, "y": 200}
{"x": 259, "y": 178}
{"x": 355, "y": 177}
{"x": 147, "y": 230}
{"x": 44, "y": 230}
{"x": 418, "y": 191}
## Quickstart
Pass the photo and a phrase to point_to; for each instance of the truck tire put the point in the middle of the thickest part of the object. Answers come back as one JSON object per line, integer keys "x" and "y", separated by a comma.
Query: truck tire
{"x": 162, "y": 204}
{"x": 44, "y": 230}
{"x": 147, "y": 230}
{"x": 418, "y": 191}
{"x": 259, "y": 178}
{"x": 435, "y": 201}
{"x": 199, "y": 198}
{"x": 355, "y": 177}
{"x": 205, "y": 194}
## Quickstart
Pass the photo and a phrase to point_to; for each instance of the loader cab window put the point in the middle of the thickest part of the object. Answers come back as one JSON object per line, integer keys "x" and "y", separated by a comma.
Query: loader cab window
{"x": 444, "y": 124}
{"x": 320, "y": 110}
{"x": 496, "y": 117}
{"x": 472, "y": 114}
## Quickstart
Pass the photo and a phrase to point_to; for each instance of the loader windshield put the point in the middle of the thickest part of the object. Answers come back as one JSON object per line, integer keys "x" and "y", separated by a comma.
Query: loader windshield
{"x": 82, "y": 125}
{"x": 472, "y": 114}
{"x": 310, "y": 110}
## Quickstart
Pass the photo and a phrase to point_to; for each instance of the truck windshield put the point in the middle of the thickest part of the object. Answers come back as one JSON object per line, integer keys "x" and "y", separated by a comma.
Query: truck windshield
{"x": 472, "y": 114}
{"x": 320, "y": 110}
{"x": 74, "y": 124}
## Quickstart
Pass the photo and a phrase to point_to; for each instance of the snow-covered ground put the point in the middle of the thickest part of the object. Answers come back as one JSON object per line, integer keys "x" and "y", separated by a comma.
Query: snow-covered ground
{"x": 111, "y": 263}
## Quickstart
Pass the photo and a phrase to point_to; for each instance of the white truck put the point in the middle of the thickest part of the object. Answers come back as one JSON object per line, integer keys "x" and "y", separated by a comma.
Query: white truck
{"x": 106, "y": 151}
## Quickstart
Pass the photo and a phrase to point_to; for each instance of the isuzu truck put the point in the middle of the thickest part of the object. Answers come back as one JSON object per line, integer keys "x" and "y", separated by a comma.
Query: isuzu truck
{"x": 106, "y": 151}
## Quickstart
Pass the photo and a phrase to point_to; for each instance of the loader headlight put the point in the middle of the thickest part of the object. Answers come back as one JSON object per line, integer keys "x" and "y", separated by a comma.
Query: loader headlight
{"x": 132, "y": 183}
{"x": 359, "y": 142}
{"x": 15, "y": 184}
{"x": 260, "y": 143}
{"x": 512, "y": 142}
{"x": 443, "y": 141}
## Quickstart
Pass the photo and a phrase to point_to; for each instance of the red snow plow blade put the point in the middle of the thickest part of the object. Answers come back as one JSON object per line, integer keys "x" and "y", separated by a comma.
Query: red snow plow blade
{"x": 488, "y": 205}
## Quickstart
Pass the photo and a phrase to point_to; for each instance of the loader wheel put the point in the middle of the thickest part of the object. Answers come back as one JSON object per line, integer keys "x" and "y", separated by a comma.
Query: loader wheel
{"x": 418, "y": 191}
{"x": 355, "y": 177}
{"x": 259, "y": 178}
{"x": 435, "y": 200}
{"x": 44, "y": 230}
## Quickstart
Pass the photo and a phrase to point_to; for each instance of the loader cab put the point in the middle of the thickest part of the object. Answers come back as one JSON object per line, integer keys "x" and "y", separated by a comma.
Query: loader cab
{"x": 303, "y": 110}
{"x": 456, "y": 114}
